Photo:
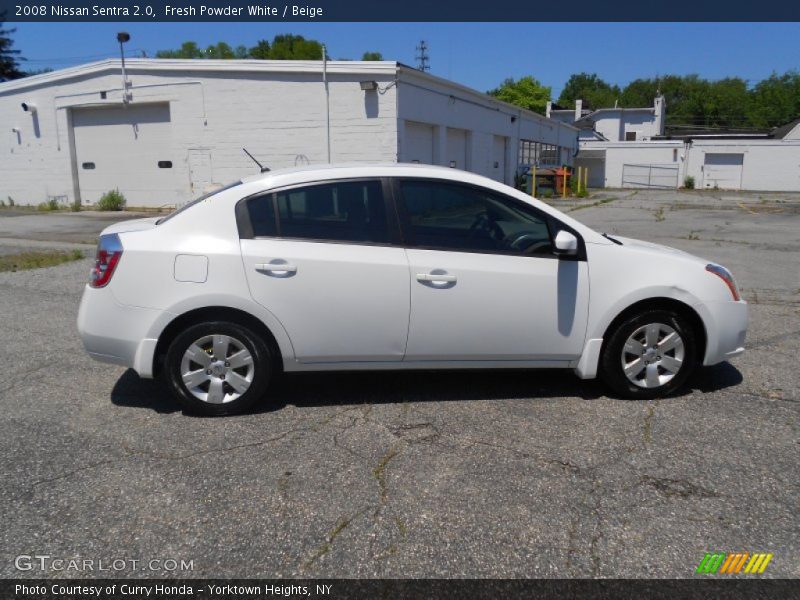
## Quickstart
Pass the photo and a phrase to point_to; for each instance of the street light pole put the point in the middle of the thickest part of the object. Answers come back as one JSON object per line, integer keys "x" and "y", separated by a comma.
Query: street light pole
{"x": 123, "y": 37}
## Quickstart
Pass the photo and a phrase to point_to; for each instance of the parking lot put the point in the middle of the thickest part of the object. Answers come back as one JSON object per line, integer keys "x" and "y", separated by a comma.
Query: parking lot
{"x": 457, "y": 474}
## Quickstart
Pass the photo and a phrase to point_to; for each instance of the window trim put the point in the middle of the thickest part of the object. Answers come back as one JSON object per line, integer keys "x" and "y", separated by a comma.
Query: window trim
{"x": 553, "y": 224}
{"x": 245, "y": 226}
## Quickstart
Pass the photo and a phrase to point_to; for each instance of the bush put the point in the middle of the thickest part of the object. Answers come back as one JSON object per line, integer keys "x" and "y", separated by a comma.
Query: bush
{"x": 688, "y": 182}
{"x": 111, "y": 200}
{"x": 51, "y": 204}
{"x": 10, "y": 201}
{"x": 547, "y": 193}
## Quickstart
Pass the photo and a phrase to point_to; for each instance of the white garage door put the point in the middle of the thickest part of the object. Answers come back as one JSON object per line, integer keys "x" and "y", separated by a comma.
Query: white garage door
{"x": 129, "y": 149}
{"x": 499, "y": 159}
{"x": 418, "y": 143}
{"x": 456, "y": 148}
{"x": 723, "y": 171}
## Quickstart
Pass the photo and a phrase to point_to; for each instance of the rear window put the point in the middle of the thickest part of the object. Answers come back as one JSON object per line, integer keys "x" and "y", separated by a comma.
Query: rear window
{"x": 189, "y": 205}
{"x": 343, "y": 211}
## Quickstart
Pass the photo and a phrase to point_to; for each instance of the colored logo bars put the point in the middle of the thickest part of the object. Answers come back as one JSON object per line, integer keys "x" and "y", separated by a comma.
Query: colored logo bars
{"x": 732, "y": 563}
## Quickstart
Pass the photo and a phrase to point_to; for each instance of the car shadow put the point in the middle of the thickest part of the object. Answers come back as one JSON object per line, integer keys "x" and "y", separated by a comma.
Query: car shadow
{"x": 396, "y": 387}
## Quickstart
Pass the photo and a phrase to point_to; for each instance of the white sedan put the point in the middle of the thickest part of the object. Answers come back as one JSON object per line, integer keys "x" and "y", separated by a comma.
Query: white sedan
{"x": 360, "y": 267}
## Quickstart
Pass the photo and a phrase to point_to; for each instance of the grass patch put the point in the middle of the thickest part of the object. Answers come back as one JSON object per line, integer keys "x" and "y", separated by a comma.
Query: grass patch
{"x": 37, "y": 260}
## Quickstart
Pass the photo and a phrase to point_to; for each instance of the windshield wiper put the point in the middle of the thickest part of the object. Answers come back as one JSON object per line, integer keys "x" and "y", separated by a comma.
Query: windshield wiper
{"x": 608, "y": 237}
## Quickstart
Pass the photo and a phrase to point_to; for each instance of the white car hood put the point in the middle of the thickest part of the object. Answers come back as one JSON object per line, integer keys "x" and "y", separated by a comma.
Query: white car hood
{"x": 657, "y": 248}
{"x": 131, "y": 225}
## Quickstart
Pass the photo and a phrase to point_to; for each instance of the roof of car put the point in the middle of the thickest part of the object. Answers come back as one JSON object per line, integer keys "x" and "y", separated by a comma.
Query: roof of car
{"x": 375, "y": 169}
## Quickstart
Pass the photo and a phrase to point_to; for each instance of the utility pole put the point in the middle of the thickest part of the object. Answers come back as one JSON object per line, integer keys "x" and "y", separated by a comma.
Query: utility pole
{"x": 422, "y": 57}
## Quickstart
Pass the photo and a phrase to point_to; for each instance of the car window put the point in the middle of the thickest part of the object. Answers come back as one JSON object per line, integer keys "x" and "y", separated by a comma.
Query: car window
{"x": 347, "y": 211}
{"x": 261, "y": 216}
{"x": 466, "y": 218}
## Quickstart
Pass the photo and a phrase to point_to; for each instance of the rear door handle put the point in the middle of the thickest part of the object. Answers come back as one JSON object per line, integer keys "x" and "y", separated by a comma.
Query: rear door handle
{"x": 437, "y": 279}
{"x": 280, "y": 269}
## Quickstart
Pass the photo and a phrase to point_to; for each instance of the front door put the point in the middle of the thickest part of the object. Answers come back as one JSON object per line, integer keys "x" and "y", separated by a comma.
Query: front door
{"x": 485, "y": 284}
{"x": 321, "y": 262}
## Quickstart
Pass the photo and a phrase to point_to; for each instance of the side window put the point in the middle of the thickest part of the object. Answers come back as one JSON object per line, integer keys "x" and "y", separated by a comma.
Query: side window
{"x": 470, "y": 219}
{"x": 261, "y": 213}
{"x": 347, "y": 211}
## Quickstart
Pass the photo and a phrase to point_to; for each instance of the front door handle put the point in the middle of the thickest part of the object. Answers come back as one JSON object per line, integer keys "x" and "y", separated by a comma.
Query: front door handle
{"x": 277, "y": 268}
{"x": 437, "y": 279}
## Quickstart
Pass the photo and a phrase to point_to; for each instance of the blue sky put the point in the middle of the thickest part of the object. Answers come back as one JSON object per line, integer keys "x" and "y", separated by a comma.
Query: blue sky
{"x": 476, "y": 54}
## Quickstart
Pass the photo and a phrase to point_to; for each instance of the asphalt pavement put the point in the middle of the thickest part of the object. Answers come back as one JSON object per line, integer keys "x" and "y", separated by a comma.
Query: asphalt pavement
{"x": 455, "y": 474}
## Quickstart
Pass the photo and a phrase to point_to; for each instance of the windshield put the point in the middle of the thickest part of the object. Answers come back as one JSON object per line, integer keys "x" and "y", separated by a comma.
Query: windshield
{"x": 196, "y": 200}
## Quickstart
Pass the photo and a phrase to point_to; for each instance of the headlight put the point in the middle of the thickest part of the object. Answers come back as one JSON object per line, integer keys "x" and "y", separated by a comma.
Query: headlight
{"x": 727, "y": 277}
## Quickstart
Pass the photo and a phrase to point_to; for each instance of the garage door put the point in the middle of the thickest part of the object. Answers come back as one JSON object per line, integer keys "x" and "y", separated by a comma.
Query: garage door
{"x": 129, "y": 149}
{"x": 650, "y": 176}
{"x": 456, "y": 148}
{"x": 499, "y": 159}
{"x": 418, "y": 143}
{"x": 723, "y": 171}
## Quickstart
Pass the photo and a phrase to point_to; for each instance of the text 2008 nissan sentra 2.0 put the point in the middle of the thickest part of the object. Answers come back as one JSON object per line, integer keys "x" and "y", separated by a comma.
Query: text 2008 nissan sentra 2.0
{"x": 395, "y": 267}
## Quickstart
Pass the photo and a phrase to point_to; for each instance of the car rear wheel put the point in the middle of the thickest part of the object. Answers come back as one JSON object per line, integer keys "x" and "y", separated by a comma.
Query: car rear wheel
{"x": 217, "y": 368}
{"x": 649, "y": 355}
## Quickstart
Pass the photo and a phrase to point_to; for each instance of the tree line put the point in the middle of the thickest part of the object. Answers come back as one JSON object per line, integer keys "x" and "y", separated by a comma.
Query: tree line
{"x": 282, "y": 47}
{"x": 692, "y": 101}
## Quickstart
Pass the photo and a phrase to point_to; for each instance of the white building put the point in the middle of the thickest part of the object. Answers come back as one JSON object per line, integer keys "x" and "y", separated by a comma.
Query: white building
{"x": 180, "y": 129}
{"x": 628, "y": 148}
{"x": 613, "y": 124}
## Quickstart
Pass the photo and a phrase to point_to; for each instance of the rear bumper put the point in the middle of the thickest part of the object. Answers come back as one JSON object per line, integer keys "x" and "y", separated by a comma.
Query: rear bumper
{"x": 115, "y": 333}
{"x": 726, "y": 329}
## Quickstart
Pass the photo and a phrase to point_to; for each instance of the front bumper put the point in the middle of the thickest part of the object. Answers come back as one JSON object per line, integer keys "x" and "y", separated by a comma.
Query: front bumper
{"x": 116, "y": 333}
{"x": 726, "y": 329}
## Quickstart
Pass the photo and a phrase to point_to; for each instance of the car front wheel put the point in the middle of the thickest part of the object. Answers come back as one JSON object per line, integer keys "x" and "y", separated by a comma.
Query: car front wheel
{"x": 217, "y": 368}
{"x": 649, "y": 355}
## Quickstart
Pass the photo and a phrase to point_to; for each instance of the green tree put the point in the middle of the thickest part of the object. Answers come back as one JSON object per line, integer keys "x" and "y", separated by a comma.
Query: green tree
{"x": 221, "y": 50}
{"x": 589, "y": 88}
{"x": 372, "y": 56}
{"x": 260, "y": 50}
{"x": 295, "y": 47}
{"x": 9, "y": 57}
{"x": 775, "y": 100}
{"x": 187, "y": 50}
{"x": 526, "y": 92}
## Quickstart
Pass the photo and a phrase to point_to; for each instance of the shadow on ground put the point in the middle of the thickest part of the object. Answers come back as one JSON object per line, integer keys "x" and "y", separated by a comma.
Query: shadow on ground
{"x": 394, "y": 387}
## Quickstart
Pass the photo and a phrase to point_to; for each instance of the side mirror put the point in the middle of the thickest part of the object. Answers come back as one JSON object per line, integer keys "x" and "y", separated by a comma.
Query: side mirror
{"x": 566, "y": 244}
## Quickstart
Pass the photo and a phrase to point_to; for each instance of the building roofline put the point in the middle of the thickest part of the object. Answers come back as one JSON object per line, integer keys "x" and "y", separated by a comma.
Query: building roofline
{"x": 132, "y": 65}
{"x": 484, "y": 98}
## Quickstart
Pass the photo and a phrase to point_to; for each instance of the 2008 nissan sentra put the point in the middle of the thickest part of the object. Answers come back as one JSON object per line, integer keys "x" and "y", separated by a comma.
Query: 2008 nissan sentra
{"x": 358, "y": 267}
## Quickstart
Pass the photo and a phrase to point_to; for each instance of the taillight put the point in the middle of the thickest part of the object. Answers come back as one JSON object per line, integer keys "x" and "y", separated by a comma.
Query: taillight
{"x": 109, "y": 251}
{"x": 727, "y": 277}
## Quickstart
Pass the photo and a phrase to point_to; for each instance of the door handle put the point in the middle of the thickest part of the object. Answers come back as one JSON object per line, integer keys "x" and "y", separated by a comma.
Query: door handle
{"x": 280, "y": 269}
{"x": 439, "y": 279}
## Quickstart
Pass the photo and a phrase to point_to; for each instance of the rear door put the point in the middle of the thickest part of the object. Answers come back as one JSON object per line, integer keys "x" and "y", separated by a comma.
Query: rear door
{"x": 320, "y": 258}
{"x": 485, "y": 284}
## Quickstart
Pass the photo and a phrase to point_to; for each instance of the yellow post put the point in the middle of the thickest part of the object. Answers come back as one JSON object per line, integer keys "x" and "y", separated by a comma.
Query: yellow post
{"x": 586, "y": 179}
{"x": 564, "y": 181}
{"x": 580, "y": 179}
{"x": 533, "y": 180}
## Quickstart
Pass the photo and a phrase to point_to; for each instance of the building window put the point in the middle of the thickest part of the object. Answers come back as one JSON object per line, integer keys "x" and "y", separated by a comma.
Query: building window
{"x": 537, "y": 153}
{"x": 88, "y": 166}
{"x": 630, "y": 136}
{"x": 165, "y": 164}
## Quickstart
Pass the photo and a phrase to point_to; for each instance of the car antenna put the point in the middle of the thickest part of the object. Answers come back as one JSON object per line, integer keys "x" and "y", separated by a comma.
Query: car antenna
{"x": 260, "y": 166}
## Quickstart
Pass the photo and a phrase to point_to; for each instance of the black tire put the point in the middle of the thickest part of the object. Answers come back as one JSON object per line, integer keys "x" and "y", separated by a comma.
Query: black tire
{"x": 261, "y": 372}
{"x": 611, "y": 367}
